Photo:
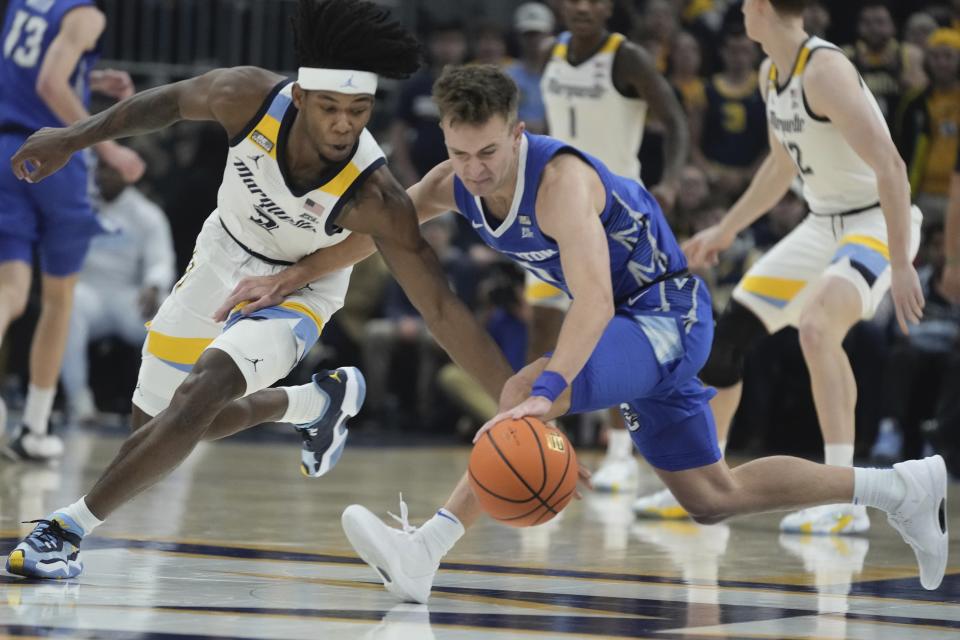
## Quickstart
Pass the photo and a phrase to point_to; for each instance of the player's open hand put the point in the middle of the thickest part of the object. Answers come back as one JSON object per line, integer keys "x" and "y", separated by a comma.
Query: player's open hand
{"x": 113, "y": 83}
{"x": 125, "y": 160}
{"x": 703, "y": 250}
{"x": 41, "y": 155}
{"x": 536, "y": 406}
{"x": 258, "y": 292}
{"x": 907, "y": 296}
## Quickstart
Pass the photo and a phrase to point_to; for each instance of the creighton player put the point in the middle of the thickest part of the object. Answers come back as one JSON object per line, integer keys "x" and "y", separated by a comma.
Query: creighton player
{"x": 49, "y": 49}
{"x": 302, "y": 172}
{"x": 638, "y": 331}
{"x": 597, "y": 87}
{"x": 835, "y": 267}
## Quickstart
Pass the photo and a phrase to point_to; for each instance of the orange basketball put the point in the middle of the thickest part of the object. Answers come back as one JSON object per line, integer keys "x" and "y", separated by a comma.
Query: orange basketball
{"x": 523, "y": 472}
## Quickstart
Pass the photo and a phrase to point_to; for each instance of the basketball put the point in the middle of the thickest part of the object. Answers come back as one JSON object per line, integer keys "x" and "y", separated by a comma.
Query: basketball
{"x": 523, "y": 472}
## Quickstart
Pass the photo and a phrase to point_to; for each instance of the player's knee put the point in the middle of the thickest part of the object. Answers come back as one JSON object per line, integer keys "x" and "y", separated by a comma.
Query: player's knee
{"x": 738, "y": 331}
{"x": 214, "y": 381}
{"x": 14, "y": 298}
{"x": 815, "y": 333}
{"x": 704, "y": 508}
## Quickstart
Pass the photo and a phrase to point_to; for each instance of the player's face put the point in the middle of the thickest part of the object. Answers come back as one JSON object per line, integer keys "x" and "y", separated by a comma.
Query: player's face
{"x": 585, "y": 18}
{"x": 483, "y": 156}
{"x": 334, "y": 121}
{"x": 753, "y": 12}
{"x": 876, "y": 26}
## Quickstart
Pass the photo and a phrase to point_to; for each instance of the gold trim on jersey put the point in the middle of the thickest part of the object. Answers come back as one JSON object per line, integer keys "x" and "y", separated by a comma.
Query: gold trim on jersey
{"x": 801, "y": 62}
{"x": 612, "y": 43}
{"x": 342, "y": 181}
{"x": 265, "y": 134}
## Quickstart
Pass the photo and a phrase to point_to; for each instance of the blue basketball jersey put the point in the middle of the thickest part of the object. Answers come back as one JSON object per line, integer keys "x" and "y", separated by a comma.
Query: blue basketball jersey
{"x": 642, "y": 247}
{"x": 28, "y": 29}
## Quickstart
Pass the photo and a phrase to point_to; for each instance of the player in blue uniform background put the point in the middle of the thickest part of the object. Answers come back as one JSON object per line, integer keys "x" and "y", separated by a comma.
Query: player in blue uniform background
{"x": 49, "y": 49}
{"x": 637, "y": 333}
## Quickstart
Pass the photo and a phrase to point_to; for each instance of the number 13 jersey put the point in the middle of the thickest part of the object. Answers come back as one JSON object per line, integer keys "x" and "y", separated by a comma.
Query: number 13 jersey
{"x": 835, "y": 178}
{"x": 586, "y": 110}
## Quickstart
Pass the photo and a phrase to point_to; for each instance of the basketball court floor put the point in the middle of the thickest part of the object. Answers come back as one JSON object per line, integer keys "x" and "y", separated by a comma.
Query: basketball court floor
{"x": 237, "y": 544}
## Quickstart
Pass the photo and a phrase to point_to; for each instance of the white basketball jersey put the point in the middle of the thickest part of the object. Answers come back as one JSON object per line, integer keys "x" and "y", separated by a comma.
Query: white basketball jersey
{"x": 585, "y": 109}
{"x": 835, "y": 178}
{"x": 261, "y": 210}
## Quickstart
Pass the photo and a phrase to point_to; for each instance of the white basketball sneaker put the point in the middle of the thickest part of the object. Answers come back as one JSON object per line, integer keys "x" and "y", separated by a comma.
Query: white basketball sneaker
{"x": 27, "y": 446}
{"x": 399, "y": 556}
{"x": 828, "y": 519}
{"x": 921, "y": 519}
{"x": 615, "y": 475}
{"x": 660, "y": 505}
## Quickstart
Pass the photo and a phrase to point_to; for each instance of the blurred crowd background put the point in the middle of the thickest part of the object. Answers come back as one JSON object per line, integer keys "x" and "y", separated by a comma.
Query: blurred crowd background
{"x": 908, "y": 54}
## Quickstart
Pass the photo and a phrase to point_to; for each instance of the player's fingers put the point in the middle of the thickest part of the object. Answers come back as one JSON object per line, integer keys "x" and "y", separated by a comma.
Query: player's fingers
{"x": 901, "y": 321}
{"x": 486, "y": 427}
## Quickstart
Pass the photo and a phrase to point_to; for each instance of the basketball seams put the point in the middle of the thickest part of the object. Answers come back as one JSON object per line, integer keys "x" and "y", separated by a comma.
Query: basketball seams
{"x": 497, "y": 495}
{"x": 563, "y": 476}
{"x": 523, "y": 481}
{"x": 543, "y": 458}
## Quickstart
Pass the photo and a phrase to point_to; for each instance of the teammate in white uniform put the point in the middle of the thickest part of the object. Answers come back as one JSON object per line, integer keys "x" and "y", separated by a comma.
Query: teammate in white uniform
{"x": 833, "y": 270}
{"x": 302, "y": 172}
{"x": 597, "y": 88}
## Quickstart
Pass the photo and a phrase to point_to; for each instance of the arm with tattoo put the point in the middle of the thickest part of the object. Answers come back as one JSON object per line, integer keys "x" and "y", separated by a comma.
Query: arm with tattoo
{"x": 229, "y": 96}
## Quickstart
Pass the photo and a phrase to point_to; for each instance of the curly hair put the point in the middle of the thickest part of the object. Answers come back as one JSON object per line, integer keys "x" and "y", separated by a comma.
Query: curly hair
{"x": 472, "y": 94}
{"x": 354, "y": 34}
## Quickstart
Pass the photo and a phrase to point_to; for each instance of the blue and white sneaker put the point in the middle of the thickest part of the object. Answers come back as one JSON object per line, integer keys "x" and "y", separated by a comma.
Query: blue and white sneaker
{"x": 51, "y": 551}
{"x": 325, "y": 437}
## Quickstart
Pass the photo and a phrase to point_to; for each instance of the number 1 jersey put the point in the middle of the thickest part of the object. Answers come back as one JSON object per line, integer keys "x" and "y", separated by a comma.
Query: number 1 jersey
{"x": 586, "y": 110}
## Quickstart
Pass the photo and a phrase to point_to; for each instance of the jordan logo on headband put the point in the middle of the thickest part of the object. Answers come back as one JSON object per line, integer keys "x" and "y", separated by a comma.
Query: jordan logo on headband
{"x": 338, "y": 80}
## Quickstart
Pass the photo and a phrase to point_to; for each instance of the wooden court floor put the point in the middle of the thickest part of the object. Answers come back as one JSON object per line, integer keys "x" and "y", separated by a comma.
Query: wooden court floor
{"x": 237, "y": 544}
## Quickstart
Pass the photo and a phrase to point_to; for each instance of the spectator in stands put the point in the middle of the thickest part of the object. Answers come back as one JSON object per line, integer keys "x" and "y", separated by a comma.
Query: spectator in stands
{"x": 918, "y": 29}
{"x": 658, "y": 25}
{"x": 693, "y": 198}
{"x": 927, "y": 126}
{"x": 120, "y": 287}
{"x": 684, "y": 75}
{"x": 415, "y": 135}
{"x": 816, "y": 19}
{"x": 732, "y": 133}
{"x": 490, "y": 45}
{"x": 533, "y": 23}
{"x": 888, "y": 69}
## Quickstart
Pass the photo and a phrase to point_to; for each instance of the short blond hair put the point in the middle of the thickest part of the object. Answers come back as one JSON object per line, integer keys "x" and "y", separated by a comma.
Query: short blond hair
{"x": 473, "y": 94}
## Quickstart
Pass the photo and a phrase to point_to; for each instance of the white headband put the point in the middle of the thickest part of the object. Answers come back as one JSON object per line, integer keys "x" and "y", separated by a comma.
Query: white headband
{"x": 337, "y": 80}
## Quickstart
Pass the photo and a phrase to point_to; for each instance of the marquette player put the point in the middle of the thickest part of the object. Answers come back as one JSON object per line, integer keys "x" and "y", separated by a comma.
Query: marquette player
{"x": 49, "y": 49}
{"x": 835, "y": 267}
{"x": 638, "y": 330}
{"x": 302, "y": 172}
{"x": 597, "y": 87}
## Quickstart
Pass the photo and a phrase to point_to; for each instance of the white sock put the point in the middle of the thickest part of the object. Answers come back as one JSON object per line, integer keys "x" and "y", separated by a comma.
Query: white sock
{"x": 36, "y": 413}
{"x": 619, "y": 443}
{"x": 304, "y": 404}
{"x": 880, "y": 488}
{"x": 723, "y": 446}
{"x": 440, "y": 533}
{"x": 838, "y": 455}
{"x": 80, "y": 513}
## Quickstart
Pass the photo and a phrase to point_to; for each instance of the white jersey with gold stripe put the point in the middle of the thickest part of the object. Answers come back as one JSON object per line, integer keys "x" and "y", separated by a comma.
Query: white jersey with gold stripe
{"x": 260, "y": 208}
{"x": 835, "y": 178}
{"x": 585, "y": 109}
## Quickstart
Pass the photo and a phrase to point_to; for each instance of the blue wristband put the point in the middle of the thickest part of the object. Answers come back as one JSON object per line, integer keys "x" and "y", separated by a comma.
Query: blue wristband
{"x": 549, "y": 384}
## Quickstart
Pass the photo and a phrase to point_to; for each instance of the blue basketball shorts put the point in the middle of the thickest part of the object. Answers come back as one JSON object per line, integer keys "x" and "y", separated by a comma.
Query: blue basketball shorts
{"x": 54, "y": 215}
{"x": 647, "y": 363}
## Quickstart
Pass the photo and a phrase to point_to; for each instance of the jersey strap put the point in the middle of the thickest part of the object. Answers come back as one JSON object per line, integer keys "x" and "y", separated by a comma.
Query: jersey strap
{"x": 266, "y": 131}
{"x": 614, "y": 40}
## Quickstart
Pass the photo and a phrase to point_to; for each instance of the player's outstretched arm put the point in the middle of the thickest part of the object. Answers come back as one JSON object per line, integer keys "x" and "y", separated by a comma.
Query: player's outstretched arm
{"x": 637, "y": 69}
{"x": 569, "y": 200}
{"x": 766, "y": 189}
{"x": 229, "y": 96}
{"x": 384, "y": 211}
{"x": 832, "y": 87}
{"x": 432, "y": 196}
